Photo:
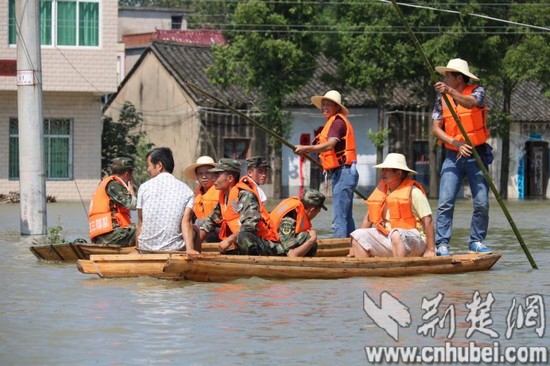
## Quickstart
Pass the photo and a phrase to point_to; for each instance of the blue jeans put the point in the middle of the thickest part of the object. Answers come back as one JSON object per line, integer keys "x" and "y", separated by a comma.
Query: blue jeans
{"x": 453, "y": 172}
{"x": 344, "y": 182}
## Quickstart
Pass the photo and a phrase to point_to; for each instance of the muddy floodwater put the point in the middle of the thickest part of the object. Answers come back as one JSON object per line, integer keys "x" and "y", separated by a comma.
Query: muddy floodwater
{"x": 51, "y": 314}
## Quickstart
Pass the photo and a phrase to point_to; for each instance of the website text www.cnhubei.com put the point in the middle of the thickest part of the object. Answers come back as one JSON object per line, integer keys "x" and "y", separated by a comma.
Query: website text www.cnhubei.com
{"x": 457, "y": 354}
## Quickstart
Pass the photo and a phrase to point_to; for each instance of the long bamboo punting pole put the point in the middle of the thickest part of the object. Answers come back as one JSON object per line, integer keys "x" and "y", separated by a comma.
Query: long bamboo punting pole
{"x": 466, "y": 138}
{"x": 259, "y": 125}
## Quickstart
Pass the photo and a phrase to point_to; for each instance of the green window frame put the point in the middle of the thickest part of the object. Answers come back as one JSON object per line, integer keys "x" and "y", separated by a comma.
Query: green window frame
{"x": 57, "y": 148}
{"x": 63, "y": 23}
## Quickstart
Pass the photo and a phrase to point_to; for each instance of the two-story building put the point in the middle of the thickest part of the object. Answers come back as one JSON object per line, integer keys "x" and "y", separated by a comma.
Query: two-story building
{"x": 79, "y": 66}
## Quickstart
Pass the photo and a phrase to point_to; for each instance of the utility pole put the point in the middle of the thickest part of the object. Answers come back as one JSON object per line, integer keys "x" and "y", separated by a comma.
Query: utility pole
{"x": 32, "y": 183}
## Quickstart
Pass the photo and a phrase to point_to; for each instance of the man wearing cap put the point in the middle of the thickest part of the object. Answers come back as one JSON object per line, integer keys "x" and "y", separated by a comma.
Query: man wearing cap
{"x": 245, "y": 225}
{"x": 109, "y": 214}
{"x": 468, "y": 102}
{"x": 165, "y": 208}
{"x": 398, "y": 222}
{"x": 257, "y": 171}
{"x": 338, "y": 154}
{"x": 292, "y": 218}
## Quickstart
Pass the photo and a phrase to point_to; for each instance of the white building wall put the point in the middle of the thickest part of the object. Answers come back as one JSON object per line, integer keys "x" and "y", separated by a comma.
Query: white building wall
{"x": 86, "y": 69}
{"x": 84, "y": 110}
{"x": 306, "y": 120}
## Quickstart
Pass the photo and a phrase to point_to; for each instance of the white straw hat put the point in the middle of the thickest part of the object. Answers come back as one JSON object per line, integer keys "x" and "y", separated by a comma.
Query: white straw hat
{"x": 395, "y": 161}
{"x": 457, "y": 65}
{"x": 190, "y": 173}
{"x": 333, "y": 96}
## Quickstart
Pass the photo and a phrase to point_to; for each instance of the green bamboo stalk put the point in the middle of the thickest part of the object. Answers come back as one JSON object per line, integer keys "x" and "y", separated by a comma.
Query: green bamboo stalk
{"x": 259, "y": 125}
{"x": 435, "y": 79}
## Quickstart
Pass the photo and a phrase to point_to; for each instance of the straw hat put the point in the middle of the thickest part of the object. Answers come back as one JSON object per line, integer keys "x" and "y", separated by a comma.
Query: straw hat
{"x": 395, "y": 161}
{"x": 457, "y": 65}
{"x": 333, "y": 96}
{"x": 190, "y": 173}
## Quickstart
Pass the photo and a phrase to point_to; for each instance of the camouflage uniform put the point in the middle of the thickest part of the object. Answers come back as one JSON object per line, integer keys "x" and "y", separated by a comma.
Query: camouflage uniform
{"x": 287, "y": 227}
{"x": 119, "y": 194}
{"x": 248, "y": 243}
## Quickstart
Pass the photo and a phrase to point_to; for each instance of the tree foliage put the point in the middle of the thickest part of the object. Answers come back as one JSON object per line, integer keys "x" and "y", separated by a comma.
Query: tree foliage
{"x": 272, "y": 59}
{"x": 122, "y": 139}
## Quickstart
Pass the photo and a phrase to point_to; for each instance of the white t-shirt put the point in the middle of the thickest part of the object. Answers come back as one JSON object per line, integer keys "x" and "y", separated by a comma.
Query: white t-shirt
{"x": 163, "y": 200}
{"x": 261, "y": 192}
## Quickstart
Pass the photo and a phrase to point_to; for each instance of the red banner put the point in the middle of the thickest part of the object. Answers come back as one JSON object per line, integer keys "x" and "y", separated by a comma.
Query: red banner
{"x": 8, "y": 68}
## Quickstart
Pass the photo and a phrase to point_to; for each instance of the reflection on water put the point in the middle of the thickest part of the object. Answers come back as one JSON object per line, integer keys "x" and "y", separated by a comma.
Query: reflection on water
{"x": 51, "y": 314}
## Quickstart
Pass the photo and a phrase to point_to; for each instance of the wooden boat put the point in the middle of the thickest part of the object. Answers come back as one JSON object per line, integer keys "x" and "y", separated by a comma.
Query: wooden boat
{"x": 217, "y": 268}
{"x": 330, "y": 247}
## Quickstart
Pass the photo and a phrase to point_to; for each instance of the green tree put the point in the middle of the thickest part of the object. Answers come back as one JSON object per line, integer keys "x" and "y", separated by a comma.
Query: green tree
{"x": 274, "y": 58}
{"x": 122, "y": 138}
{"x": 372, "y": 52}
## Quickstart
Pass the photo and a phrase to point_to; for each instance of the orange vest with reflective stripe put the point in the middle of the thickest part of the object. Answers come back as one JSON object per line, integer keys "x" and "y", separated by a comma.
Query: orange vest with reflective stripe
{"x": 205, "y": 202}
{"x": 100, "y": 216}
{"x": 231, "y": 223}
{"x": 331, "y": 159}
{"x": 473, "y": 121}
{"x": 288, "y": 205}
{"x": 398, "y": 204}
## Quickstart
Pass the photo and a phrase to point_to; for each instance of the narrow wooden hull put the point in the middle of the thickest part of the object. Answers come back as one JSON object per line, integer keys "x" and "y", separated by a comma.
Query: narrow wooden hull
{"x": 68, "y": 252}
{"x": 333, "y": 247}
{"x": 217, "y": 268}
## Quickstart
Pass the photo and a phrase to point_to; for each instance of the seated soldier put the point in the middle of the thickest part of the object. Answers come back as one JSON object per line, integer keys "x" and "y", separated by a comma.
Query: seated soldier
{"x": 399, "y": 218}
{"x": 109, "y": 215}
{"x": 257, "y": 169}
{"x": 245, "y": 225}
{"x": 293, "y": 217}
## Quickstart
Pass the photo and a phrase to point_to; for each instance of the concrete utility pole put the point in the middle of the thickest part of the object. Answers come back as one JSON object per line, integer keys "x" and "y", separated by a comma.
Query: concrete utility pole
{"x": 32, "y": 183}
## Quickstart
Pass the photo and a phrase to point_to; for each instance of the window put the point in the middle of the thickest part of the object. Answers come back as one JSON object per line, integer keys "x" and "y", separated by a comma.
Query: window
{"x": 57, "y": 148}
{"x": 235, "y": 148}
{"x": 177, "y": 21}
{"x": 63, "y": 23}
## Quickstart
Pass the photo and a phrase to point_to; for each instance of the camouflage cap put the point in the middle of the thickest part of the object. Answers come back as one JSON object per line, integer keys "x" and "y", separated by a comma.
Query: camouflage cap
{"x": 315, "y": 198}
{"x": 257, "y": 162}
{"x": 226, "y": 165}
{"x": 122, "y": 163}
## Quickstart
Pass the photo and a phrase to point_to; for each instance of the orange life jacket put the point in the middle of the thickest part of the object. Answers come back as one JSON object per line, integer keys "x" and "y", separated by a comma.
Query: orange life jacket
{"x": 332, "y": 159}
{"x": 231, "y": 223}
{"x": 205, "y": 202}
{"x": 398, "y": 203}
{"x": 288, "y": 205}
{"x": 473, "y": 121}
{"x": 100, "y": 216}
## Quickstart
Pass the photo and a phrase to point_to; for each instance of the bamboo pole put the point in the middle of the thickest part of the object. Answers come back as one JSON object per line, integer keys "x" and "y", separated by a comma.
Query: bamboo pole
{"x": 466, "y": 138}
{"x": 260, "y": 126}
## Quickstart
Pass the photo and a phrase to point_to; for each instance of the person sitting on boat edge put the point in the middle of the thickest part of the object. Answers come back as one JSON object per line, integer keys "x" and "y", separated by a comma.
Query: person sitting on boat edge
{"x": 165, "y": 208}
{"x": 292, "y": 218}
{"x": 206, "y": 195}
{"x": 258, "y": 168}
{"x": 109, "y": 215}
{"x": 244, "y": 222}
{"x": 399, "y": 221}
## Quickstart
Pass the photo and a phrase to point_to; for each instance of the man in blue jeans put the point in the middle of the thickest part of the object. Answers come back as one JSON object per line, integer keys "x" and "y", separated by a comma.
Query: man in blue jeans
{"x": 468, "y": 101}
{"x": 337, "y": 151}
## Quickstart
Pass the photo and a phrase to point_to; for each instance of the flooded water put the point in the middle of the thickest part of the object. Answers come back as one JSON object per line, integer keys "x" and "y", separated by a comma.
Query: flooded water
{"x": 51, "y": 314}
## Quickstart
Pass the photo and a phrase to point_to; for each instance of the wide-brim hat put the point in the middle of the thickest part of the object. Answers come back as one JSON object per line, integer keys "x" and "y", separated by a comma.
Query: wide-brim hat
{"x": 457, "y": 65}
{"x": 333, "y": 96}
{"x": 395, "y": 161}
{"x": 190, "y": 171}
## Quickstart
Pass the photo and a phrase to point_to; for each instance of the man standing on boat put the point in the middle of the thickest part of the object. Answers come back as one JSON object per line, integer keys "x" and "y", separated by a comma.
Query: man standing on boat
{"x": 398, "y": 222}
{"x": 468, "y": 101}
{"x": 338, "y": 154}
{"x": 109, "y": 215}
{"x": 292, "y": 218}
{"x": 257, "y": 171}
{"x": 165, "y": 208}
{"x": 245, "y": 225}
